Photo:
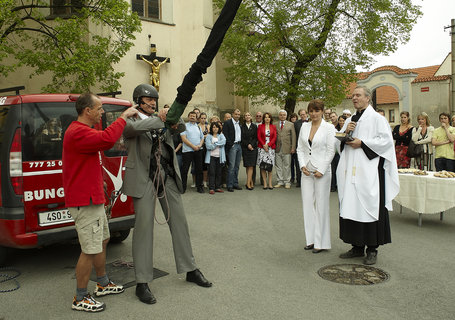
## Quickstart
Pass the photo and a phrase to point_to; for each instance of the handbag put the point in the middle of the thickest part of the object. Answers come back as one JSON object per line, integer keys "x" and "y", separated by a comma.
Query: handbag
{"x": 414, "y": 150}
{"x": 265, "y": 166}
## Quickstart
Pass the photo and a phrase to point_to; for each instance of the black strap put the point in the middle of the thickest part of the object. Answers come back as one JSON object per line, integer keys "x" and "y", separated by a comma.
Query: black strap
{"x": 208, "y": 53}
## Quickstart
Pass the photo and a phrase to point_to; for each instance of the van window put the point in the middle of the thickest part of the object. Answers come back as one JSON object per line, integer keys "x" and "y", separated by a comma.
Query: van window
{"x": 43, "y": 127}
{"x": 3, "y": 115}
{"x": 111, "y": 113}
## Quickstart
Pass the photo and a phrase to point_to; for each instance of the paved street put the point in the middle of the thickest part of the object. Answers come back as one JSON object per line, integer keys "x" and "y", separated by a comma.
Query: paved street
{"x": 250, "y": 244}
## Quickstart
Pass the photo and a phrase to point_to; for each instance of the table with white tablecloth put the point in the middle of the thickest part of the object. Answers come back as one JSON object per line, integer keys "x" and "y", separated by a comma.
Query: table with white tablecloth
{"x": 426, "y": 194}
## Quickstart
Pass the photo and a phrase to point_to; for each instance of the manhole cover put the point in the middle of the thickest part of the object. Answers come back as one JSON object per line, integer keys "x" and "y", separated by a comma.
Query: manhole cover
{"x": 355, "y": 274}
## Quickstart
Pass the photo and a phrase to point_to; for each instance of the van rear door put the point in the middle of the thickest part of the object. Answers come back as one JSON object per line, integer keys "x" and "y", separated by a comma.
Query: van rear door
{"x": 43, "y": 127}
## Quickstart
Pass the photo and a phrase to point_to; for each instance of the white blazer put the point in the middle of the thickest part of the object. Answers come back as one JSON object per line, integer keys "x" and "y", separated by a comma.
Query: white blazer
{"x": 322, "y": 149}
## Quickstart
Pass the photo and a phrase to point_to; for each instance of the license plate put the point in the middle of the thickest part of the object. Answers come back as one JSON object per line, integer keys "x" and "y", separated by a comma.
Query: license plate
{"x": 49, "y": 218}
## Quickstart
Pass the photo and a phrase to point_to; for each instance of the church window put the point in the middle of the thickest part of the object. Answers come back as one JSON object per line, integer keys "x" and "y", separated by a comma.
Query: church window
{"x": 147, "y": 8}
{"x": 65, "y": 8}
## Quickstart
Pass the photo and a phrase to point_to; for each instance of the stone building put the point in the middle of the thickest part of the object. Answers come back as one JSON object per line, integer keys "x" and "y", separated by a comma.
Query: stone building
{"x": 414, "y": 90}
{"x": 178, "y": 29}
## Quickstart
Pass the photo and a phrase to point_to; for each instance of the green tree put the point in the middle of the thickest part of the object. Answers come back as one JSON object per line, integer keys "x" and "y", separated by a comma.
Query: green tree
{"x": 284, "y": 50}
{"x": 78, "y": 49}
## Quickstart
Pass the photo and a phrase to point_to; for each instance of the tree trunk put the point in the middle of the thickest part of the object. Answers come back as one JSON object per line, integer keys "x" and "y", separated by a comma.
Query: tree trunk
{"x": 289, "y": 105}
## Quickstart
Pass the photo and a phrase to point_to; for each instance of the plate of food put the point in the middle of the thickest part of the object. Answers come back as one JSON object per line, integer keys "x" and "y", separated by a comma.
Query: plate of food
{"x": 444, "y": 174}
{"x": 407, "y": 170}
{"x": 420, "y": 173}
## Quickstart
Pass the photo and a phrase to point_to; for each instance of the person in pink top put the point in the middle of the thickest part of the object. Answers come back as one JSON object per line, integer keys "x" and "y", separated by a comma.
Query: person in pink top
{"x": 84, "y": 195}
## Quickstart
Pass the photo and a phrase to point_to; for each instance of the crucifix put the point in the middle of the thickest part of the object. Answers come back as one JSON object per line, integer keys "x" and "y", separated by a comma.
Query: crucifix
{"x": 155, "y": 63}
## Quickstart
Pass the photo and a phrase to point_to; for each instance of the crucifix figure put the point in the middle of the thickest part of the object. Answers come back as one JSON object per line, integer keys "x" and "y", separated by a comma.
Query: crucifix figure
{"x": 155, "y": 63}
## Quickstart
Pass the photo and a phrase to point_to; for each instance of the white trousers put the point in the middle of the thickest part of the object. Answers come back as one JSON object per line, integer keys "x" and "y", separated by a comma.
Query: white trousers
{"x": 283, "y": 168}
{"x": 316, "y": 210}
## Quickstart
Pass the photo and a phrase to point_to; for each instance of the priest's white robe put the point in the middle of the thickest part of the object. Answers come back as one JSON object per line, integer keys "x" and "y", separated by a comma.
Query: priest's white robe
{"x": 357, "y": 176}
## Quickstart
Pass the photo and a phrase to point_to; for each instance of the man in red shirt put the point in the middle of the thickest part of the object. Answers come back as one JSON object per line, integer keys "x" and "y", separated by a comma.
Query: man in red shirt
{"x": 84, "y": 195}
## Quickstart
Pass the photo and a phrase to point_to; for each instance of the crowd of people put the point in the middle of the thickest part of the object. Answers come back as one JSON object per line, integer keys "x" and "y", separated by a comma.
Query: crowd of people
{"x": 302, "y": 149}
{"x": 215, "y": 152}
{"x": 256, "y": 142}
{"x": 430, "y": 142}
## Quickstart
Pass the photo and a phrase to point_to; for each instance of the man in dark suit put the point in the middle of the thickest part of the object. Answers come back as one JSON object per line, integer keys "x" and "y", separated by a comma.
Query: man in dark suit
{"x": 233, "y": 134}
{"x": 297, "y": 126}
{"x": 150, "y": 174}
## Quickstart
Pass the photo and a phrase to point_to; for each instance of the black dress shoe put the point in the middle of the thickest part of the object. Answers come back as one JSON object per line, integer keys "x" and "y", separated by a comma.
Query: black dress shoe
{"x": 318, "y": 250}
{"x": 230, "y": 189}
{"x": 309, "y": 247}
{"x": 238, "y": 188}
{"x": 144, "y": 294}
{"x": 198, "y": 278}
{"x": 200, "y": 190}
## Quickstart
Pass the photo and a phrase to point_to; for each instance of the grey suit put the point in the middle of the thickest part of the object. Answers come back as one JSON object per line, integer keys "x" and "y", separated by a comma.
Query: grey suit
{"x": 138, "y": 185}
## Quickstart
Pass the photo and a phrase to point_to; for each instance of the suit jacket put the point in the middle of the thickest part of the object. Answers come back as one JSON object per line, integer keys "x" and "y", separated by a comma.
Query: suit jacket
{"x": 297, "y": 126}
{"x": 261, "y": 136}
{"x": 249, "y": 136}
{"x": 322, "y": 148}
{"x": 229, "y": 134}
{"x": 139, "y": 142}
{"x": 285, "y": 140}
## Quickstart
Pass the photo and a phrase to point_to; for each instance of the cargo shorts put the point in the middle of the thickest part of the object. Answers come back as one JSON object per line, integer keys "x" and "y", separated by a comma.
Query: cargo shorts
{"x": 92, "y": 227}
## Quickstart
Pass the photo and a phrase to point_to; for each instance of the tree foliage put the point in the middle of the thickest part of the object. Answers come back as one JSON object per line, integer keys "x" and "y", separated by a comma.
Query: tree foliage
{"x": 78, "y": 50}
{"x": 284, "y": 50}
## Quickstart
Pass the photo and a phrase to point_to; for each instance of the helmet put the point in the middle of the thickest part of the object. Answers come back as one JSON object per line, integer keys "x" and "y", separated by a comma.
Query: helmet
{"x": 144, "y": 90}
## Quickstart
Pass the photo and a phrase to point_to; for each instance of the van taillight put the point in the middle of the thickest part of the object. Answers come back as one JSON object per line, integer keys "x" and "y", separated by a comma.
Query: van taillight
{"x": 15, "y": 163}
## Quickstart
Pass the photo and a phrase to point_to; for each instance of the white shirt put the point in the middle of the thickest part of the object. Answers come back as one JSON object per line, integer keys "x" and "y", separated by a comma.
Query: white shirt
{"x": 238, "y": 131}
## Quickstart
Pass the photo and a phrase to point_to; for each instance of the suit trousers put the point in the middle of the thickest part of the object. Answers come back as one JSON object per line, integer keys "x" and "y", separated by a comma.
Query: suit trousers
{"x": 143, "y": 231}
{"x": 316, "y": 210}
{"x": 187, "y": 159}
{"x": 334, "y": 165}
{"x": 298, "y": 170}
{"x": 283, "y": 168}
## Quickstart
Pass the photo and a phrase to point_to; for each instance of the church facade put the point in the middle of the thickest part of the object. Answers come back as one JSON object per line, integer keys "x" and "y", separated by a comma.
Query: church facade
{"x": 178, "y": 31}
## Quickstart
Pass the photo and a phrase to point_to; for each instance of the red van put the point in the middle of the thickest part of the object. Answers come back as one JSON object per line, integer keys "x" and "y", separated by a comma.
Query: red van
{"x": 32, "y": 199}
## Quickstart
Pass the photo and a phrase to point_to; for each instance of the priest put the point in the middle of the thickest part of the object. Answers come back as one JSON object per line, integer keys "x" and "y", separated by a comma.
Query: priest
{"x": 367, "y": 178}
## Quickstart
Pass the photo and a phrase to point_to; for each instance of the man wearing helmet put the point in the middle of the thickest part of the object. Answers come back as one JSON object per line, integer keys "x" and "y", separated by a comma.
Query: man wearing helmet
{"x": 150, "y": 174}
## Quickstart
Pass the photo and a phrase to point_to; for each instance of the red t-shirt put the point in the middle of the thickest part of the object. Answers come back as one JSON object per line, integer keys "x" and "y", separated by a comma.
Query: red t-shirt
{"x": 82, "y": 172}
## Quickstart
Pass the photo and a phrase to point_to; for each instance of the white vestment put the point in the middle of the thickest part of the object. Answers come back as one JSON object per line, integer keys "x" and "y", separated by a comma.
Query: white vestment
{"x": 357, "y": 176}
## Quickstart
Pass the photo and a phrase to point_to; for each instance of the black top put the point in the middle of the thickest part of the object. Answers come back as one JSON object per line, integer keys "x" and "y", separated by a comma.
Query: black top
{"x": 402, "y": 140}
{"x": 249, "y": 136}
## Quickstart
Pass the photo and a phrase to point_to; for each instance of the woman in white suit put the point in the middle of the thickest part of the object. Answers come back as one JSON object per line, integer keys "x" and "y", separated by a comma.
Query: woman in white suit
{"x": 315, "y": 151}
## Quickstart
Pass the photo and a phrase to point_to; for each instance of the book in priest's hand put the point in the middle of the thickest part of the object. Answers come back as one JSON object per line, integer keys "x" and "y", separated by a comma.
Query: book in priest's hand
{"x": 343, "y": 137}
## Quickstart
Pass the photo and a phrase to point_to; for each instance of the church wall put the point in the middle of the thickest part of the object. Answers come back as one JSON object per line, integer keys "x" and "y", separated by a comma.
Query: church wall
{"x": 180, "y": 42}
{"x": 180, "y": 36}
{"x": 433, "y": 102}
{"x": 224, "y": 98}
